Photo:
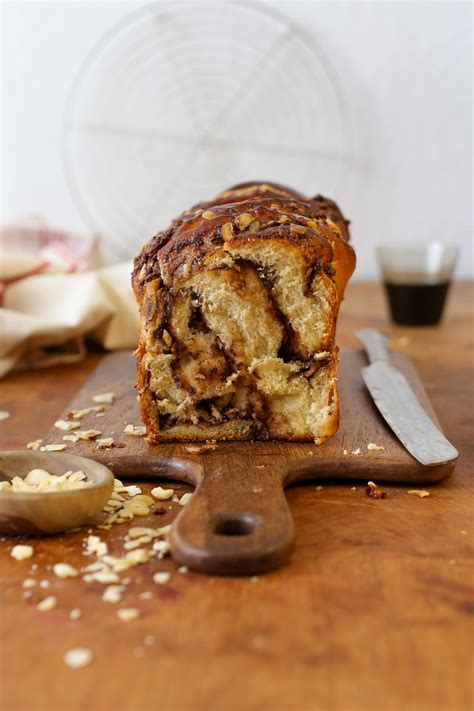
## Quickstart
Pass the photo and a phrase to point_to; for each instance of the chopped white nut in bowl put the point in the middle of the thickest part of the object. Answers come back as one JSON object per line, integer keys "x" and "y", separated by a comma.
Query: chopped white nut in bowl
{"x": 44, "y": 492}
{"x": 39, "y": 480}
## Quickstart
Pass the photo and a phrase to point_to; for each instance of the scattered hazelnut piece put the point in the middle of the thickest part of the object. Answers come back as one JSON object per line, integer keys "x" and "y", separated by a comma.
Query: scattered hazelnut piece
{"x": 199, "y": 448}
{"x": 208, "y": 215}
{"x": 29, "y": 583}
{"x": 35, "y": 444}
{"x": 356, "y": 452}
{"x": 66, "y": 425}
{"x": 53, "y": 448}
{"x": 139, "y": 555}
{"x": 183, "y": 569}
{"x": 162, "y": 494}
{"x": 162, "y": 548}
{"x": 78, "y": 658}
{"x": 47, "y": 604}
{"x": 375, "y": 491}
{"x": 105, "y": 443}
{"x": 105, "y": 398}
{"x": 185, "y": 499}
{"x": 421, "y": 493}
{"x": 135, "y": 430}
{"x": 21, "y": 552}
{"x": 75, "y": 614}
{"x": 113, "y": 593}
{"x": 88, "y": 434}
{"x": 127, "y": 614}
{"x": 372, "y": 447}
{"x": 161, "y": 577}
{"x": 95, "y": 545}
{"x": 64, "y": 570}
{"x": 4, "y": 415}
{"x": 79, "y": 414}
{"x": 103, "y": 577}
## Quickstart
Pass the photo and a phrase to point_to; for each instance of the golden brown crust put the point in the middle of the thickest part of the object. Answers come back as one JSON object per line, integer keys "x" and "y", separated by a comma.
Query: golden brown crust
{"x": 239, "y": 299}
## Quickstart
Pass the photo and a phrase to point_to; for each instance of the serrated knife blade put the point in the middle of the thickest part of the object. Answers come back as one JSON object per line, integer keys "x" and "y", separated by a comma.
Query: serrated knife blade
{"x": 399, "y": 407}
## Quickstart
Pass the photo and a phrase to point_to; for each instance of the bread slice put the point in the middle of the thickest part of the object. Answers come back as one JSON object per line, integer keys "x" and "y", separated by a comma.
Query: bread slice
{"x": 239, "y": 300}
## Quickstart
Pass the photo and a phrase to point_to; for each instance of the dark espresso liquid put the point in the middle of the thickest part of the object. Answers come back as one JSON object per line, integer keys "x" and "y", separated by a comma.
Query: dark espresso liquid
{"x": 417, "y": 304}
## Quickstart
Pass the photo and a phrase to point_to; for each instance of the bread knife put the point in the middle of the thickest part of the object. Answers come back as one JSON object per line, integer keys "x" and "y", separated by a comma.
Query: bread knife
{"x": 398, "y": 405}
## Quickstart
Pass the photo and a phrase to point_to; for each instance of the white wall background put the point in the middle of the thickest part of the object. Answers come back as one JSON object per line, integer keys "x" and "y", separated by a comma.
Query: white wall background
{"x": 405, "y": 72}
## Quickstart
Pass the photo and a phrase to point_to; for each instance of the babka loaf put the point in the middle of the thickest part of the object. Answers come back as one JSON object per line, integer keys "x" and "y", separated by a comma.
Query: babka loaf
{"x": 238, "y": 301}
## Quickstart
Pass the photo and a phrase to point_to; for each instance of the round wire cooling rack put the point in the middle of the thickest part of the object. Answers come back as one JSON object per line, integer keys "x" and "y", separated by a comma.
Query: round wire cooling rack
{"x": 180, "y": 100}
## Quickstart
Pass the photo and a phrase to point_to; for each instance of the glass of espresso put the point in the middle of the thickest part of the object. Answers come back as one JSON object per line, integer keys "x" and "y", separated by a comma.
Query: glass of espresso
{"x": 417, "y": 279}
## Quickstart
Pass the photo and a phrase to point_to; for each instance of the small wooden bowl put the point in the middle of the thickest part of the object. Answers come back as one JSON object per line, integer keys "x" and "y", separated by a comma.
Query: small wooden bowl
{"x": 24, "y": 513}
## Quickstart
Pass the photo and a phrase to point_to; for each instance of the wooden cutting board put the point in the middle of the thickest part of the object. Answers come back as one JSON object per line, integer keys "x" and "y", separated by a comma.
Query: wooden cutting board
{"x": 238, "y": 520}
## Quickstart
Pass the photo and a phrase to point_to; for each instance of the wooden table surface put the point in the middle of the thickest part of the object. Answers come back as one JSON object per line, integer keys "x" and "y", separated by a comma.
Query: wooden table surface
{"x": 374, "y": 611}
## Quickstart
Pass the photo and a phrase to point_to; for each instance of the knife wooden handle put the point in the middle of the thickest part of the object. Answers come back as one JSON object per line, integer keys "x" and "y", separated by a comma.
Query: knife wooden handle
{"x": 375, "y": 344}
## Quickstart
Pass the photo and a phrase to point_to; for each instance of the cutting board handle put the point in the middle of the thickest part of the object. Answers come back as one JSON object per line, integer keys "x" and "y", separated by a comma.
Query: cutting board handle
{"x": 237, "y": 522}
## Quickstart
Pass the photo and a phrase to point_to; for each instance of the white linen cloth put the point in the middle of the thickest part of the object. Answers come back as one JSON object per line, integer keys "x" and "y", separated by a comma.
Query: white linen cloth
{"x": 49, "y": 305}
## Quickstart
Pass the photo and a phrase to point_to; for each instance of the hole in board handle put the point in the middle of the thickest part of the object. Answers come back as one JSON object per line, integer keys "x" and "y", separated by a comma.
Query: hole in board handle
{"x": 236, "y": 524}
